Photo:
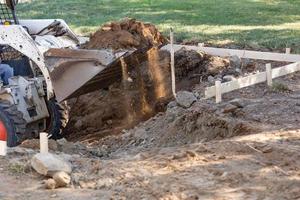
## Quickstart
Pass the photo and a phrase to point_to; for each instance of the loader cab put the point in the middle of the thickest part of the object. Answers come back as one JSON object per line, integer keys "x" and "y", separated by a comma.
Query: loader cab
{"x": 16, "y": 60}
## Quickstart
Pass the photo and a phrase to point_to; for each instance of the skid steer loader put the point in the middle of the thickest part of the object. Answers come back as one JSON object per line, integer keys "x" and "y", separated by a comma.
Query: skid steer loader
{"x": 48, "y": 69}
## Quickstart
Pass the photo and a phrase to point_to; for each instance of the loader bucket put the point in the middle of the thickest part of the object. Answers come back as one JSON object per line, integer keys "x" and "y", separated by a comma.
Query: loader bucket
{"x": 77, "y": 72}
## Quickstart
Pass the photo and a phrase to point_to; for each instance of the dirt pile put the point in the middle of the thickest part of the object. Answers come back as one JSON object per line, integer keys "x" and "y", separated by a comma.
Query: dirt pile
{"x": 126, "y": 34}
{"x": 144, "y": 91}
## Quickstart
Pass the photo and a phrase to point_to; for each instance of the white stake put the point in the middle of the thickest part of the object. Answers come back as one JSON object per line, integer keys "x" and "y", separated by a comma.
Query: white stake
{"x": 201, "y": 44}
{"x": 44, "y": 143}
{"x": 3, "y": 148}
{"x": 218, "y": 92}
{"x": 288, "y": 50}
{"x": 269, "y": 74}
{"x": 173, "y": 63}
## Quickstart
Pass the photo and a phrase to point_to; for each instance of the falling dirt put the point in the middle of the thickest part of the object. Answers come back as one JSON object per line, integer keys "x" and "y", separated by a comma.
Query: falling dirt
{"x": 126, "y": 34}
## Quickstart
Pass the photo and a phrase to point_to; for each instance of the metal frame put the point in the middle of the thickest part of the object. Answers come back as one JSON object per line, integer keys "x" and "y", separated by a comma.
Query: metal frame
{"x": 16, "y": 37}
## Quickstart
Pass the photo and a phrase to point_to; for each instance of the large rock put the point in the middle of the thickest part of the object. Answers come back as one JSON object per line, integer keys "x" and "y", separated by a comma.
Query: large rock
{"x": 48, "y": 164}
{"x": 62, "y": 179}
{"x": 185, "y": 99}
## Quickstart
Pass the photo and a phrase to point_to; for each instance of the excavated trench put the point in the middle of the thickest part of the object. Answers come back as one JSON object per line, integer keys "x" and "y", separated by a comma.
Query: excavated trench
{"x": 145, "y": 88}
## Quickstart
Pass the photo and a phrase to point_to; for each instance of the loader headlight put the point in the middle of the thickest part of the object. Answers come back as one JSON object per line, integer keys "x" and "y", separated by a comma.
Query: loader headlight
{"x": 7, "y": 23}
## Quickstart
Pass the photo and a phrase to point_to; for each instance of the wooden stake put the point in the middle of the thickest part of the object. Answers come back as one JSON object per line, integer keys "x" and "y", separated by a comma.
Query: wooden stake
{"x": 44, "y": 143}
{"x": 3, "y": 148}
{"x": 269, "y": 74}
{"x": 173, "y": 63}
{"x": 288, "y": 50}
{"x": 218, "y": 92}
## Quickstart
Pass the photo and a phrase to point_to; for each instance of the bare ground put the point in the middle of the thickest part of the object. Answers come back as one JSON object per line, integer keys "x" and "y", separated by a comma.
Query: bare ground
{"x": 261, "y": 166}
{"x": 253, "y": 154}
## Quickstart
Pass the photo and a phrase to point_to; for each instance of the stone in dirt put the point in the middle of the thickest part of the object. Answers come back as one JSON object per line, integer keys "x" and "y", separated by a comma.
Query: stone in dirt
{"x": 48, "y": 164}
{"x": 185, "y": 98}
{"x": 50, "y": 184}
{"x": 240, "y": 103}
{"x": 62, "y": 179}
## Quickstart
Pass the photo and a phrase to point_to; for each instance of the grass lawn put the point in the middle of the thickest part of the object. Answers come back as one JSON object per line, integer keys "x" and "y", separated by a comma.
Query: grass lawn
{"x": 268, "y": 23}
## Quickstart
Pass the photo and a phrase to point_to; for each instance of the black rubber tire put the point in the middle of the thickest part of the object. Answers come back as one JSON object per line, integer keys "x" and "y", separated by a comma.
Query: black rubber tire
{"x": 13, "y": 121}
{"x": 58, "y": 119}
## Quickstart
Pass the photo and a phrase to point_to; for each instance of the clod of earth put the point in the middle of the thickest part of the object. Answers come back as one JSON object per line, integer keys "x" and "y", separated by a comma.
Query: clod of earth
{"x": 62, "y": 179}
{"x": 185, "y": 98}
{"x": 50, "y": 184}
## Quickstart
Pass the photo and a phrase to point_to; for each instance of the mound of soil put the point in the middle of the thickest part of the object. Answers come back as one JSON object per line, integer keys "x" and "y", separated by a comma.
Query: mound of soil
{"x": 126, "y": 34}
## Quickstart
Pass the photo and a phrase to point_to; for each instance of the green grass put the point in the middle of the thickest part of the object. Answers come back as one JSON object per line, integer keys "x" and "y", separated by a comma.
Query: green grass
{"x": 268, "y": 23}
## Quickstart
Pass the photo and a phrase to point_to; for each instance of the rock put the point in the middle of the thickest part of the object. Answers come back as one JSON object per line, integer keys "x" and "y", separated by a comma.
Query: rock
{"x": 48, "y": 164}
{"x": 62, "y": 179}
{"x": 211, "y": 79}
{"x": 240, "y": 103}
{"x": 172, "y": 104}
{"x": 185, "y": 99}
{"x": 267, "y": 149}
{"x": 229, "y": 108}
{"x": 50, "y": 184}
{"x": 228, "y": 78}
{"x": 235, "y": 62}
